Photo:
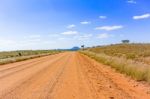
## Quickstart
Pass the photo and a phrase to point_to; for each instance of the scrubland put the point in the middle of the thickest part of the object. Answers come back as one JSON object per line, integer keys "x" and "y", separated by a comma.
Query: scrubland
{"x": 130, "y": 59}
{"x": 14, "y": 56}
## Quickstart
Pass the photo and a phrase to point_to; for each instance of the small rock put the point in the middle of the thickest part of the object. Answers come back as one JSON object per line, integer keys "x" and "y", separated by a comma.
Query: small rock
{"x": 111, "y": 98}
{"x": 109, "y": 86}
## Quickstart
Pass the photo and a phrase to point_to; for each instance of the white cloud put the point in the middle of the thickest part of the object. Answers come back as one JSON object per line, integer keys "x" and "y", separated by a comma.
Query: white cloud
{"x": 70, "y": 33}
{"x": 131, "y": 1}
{"x": 71, "y": 26}
{"x": 85, "y": 22}
{"x": 104, "y": 36}
{"x": 102, "y": 17}
{"x": 109, "y": 28}
{"x": 144, "y": 16}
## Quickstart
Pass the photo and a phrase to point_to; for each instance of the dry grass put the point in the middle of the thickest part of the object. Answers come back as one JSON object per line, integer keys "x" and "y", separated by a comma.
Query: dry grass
{"x": 10, "y": 54}
{"x": 129, "y": 51}
{"x": 137, "y": 70}
{"x": 13, "y": 56}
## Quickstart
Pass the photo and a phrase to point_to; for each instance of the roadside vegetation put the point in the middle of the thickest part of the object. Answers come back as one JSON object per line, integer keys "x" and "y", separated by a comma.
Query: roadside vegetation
{"x": 15, "y": 56}
{"x": 130, "y": 59}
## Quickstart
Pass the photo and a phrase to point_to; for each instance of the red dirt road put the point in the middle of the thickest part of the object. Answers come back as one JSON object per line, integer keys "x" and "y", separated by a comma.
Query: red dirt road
{"x": 68, "y": 75}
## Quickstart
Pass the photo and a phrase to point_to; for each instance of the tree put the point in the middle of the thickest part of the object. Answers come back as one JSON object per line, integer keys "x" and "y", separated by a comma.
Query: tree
{"x": 125, "y": 41}
{"x": 82, "y": 46}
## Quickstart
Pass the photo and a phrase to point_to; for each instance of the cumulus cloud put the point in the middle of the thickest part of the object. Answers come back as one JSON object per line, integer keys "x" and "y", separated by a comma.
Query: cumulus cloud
{"x": 131, "y": 1}
{"x": 71, "y": 26}
{"x": 102, "y": 17}
{"x": 70, "y": 33}
{"x": 104, "y": 36}
{"x": 85, "y": 22}
{"x": 109, "y": 28}
{"x": 144, "y": 16}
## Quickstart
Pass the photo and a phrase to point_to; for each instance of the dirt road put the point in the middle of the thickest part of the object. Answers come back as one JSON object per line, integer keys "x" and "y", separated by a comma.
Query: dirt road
{"x": 68, "y": 75}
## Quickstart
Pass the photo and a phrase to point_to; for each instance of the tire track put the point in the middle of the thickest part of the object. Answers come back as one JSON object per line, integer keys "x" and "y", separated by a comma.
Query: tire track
{"x": 19, "y": 68}
{"x": 109, "y": 83}
{"x": 14, "y": 65}
{"x": 40, "y": 74}
{"x": 10, "y": 68}
{"x": 102, "y": 85}
{"x": 82, "y": 71}
{"x": 71, "y": 84}
{"x": 23, "y": 80}
{"x": 55, "y": 80}
{"x": 68, "y": 75}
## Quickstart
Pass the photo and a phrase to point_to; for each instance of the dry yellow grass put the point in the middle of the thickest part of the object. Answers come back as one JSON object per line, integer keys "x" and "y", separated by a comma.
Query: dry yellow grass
{"x": 129, "y": 51}
{"x": 117, "y": 57}
{"x": 15, "y": 56}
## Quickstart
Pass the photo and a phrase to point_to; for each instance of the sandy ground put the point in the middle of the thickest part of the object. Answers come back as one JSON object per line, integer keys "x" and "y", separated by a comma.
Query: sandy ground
{"x": 68, "y": 75}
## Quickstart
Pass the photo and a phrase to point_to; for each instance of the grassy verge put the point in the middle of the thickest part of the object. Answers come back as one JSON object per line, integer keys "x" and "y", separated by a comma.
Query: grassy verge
{"x": 25, "y": 57}
{"x": 136, "y": 70}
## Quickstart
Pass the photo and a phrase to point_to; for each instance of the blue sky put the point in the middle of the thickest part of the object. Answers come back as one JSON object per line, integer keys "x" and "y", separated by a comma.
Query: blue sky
{"x": 52, "y": 24}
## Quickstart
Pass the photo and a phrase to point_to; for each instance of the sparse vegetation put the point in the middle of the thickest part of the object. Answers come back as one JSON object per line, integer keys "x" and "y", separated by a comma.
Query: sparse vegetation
{"x": 14, "y": 56}
{"x": 129, "y": 51}
{"x": 129, "y": 59}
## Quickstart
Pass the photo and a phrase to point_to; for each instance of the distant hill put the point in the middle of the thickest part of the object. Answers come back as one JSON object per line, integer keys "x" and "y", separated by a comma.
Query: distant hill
{"x": 75, "y": 48}
{"x": 71, "y": 49}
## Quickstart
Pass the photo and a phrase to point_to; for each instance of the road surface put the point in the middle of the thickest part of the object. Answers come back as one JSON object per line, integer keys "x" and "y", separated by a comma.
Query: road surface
{"x": 68, "y": 75}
